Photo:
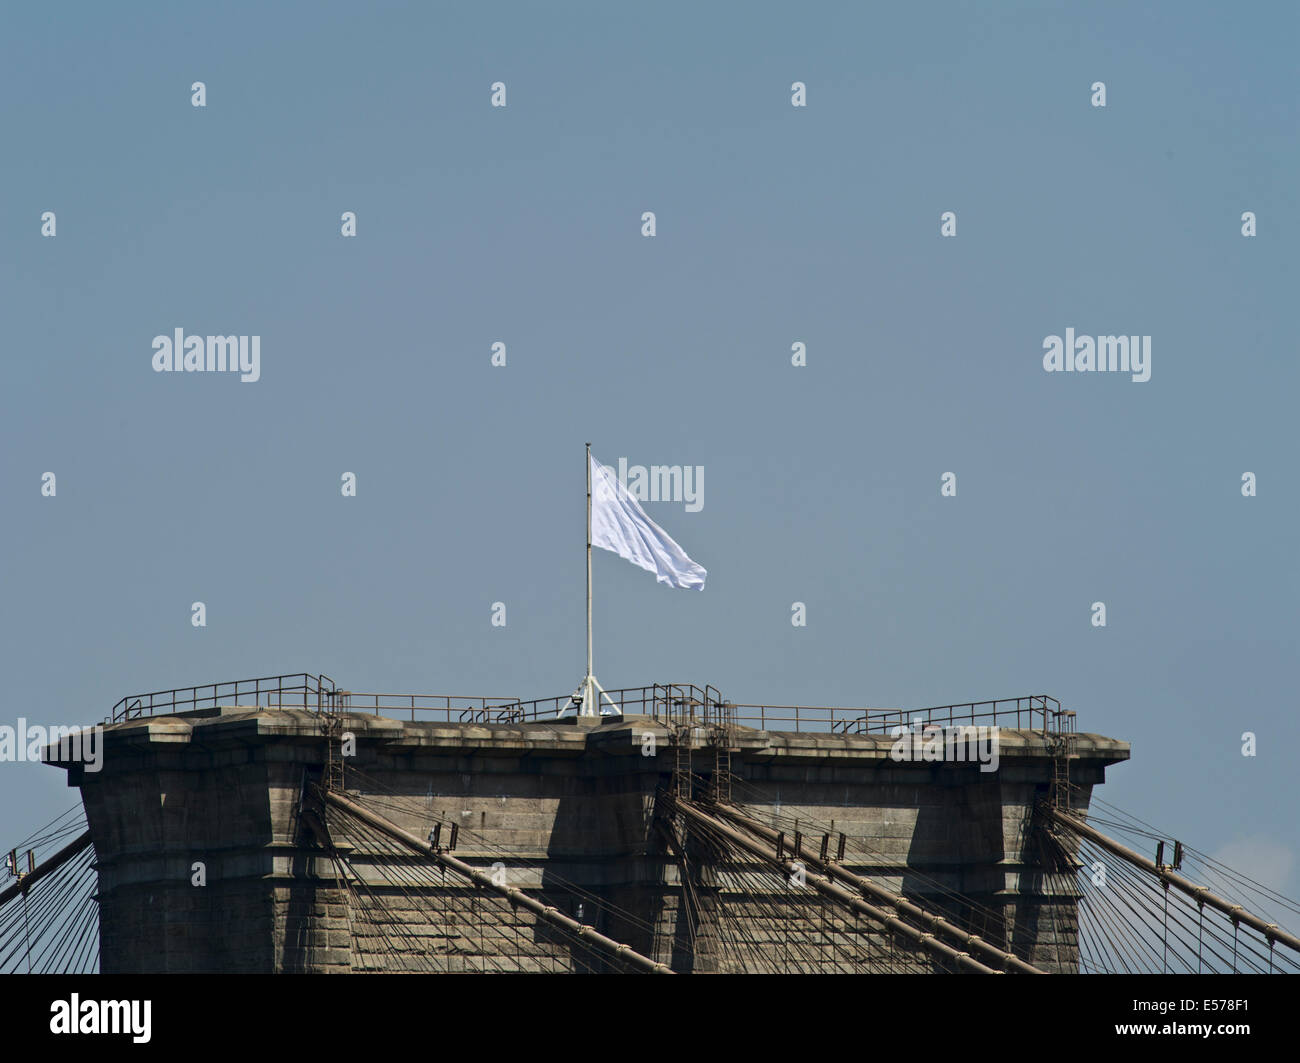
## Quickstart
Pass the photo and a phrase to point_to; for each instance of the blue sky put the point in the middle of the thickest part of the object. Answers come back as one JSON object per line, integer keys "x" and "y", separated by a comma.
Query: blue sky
{"x": 775, "y": 224}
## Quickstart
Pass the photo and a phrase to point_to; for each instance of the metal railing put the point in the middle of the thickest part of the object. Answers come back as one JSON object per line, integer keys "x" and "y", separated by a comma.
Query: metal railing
{"x": 675, "y": 702}
{"x": 455, "y": 708}
{"x": 672, "y": 703}
{"x": 800, "y": 717}
{"x": 1034, "y": 712}
{"x": 296, "y": 690}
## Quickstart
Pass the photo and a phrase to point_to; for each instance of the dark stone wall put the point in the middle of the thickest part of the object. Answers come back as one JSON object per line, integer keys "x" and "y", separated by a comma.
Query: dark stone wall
{"x": 569, "y": 812}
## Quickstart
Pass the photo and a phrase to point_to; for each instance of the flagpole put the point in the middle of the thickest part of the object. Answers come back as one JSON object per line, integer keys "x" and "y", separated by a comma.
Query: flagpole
{"x": 589, "y": 673}
{"x": 587, "y": 698}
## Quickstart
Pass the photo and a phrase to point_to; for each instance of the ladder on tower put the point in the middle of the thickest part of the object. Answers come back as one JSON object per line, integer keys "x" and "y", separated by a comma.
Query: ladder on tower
{"x": 331, "y": 725}
{"x": 722, "y": 769}
{"x": 682, "y": 761}
{"x": 720, "y": 716}
{"x": 1062, "y": 744}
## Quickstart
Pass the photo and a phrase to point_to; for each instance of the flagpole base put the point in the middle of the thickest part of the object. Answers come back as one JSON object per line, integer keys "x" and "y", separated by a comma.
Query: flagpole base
{"x": 590, "y": 700}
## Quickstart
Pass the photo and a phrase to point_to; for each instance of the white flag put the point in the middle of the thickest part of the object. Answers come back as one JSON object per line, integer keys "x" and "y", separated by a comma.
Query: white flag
{"x": 619, "y": 524}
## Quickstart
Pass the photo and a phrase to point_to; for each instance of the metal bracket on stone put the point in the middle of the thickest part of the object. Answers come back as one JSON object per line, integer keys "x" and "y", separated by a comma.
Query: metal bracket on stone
{"x": 436, "y": 833}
